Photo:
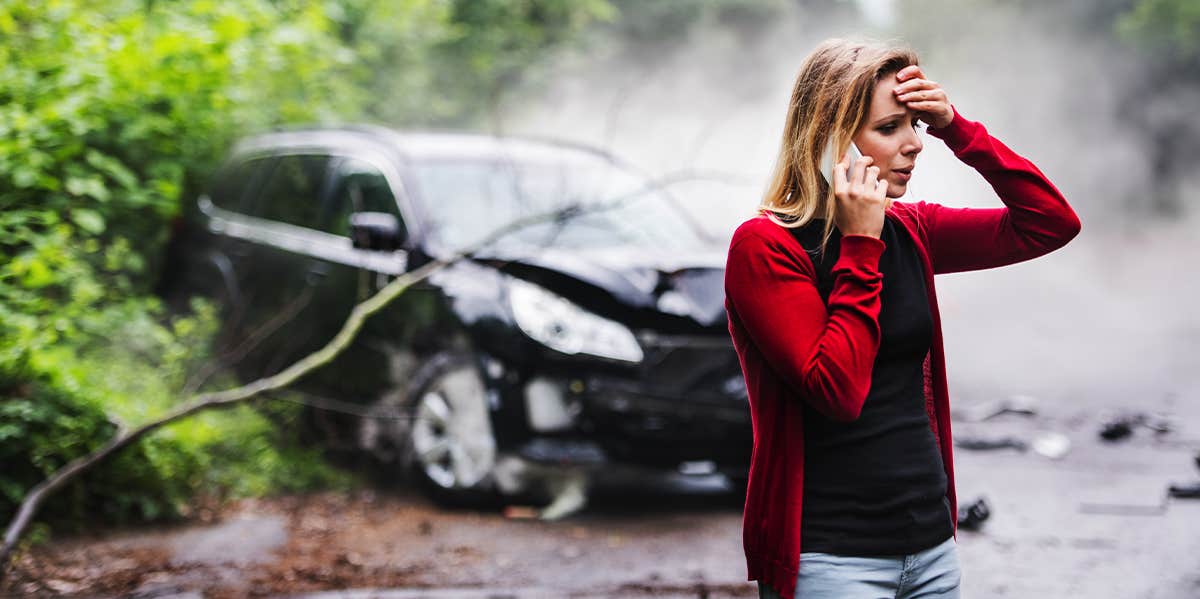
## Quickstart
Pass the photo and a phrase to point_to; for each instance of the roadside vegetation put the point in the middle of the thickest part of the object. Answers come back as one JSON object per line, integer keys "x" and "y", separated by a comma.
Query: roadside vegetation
{"x": 111, "y": 114}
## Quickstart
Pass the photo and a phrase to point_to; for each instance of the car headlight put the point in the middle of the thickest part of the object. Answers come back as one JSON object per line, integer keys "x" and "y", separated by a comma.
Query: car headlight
{"x": 561, "y": 325}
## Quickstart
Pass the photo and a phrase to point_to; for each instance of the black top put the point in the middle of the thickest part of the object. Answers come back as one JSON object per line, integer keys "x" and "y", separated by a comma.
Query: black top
{"x": 876, "y": 486}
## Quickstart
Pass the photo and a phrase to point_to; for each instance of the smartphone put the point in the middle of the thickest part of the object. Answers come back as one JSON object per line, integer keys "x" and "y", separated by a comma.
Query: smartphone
{"x": 828, "y": 160}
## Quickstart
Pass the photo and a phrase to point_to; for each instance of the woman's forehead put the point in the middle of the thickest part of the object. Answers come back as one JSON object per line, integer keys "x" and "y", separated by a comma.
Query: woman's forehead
{"x": 883, "y": 101}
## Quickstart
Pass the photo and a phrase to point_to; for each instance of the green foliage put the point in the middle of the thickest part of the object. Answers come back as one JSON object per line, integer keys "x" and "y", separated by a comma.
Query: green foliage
{"x": 449, "y": 63}
{"x": 42, "y": 427}
{"x": 1168, "y": 27}
{"x": 112, "y": 109}
{"x": 497, "y": 40}
{"x": 77, "y": 402}
{"x": 67, "y": 400}
{"x": 112, "y": 112}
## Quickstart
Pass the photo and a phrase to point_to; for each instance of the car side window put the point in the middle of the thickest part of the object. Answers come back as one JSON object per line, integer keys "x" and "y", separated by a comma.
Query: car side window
{"x": 292, "y": 192}
{"x": 235, "y": 183}
{"x": 358, "y": 187}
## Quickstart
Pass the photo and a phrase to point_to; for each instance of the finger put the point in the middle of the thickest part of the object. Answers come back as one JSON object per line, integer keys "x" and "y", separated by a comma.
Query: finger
{"x": 872, "y": 177}
{"x": 922, "y": 95}
{"x": 934, "y": 106}
{"x": 846, "y": 161}
{"x": 915, "y": 84}
{"x": 909, "y": 72}
{"x": 840, "y": 184}
{"x": 860, "y": 169}
{"x": 881, "y": 191}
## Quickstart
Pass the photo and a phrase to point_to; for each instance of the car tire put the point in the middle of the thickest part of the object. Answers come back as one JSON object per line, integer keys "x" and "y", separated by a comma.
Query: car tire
{"x": 450, "y": 449}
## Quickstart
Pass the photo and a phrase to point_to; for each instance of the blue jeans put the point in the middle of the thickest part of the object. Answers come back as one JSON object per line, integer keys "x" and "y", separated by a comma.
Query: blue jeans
{"x": 932, "y": 573}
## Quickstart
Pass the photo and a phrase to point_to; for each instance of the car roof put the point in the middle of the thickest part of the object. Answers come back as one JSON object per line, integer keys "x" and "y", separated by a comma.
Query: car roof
{"x": 423, "y": 145}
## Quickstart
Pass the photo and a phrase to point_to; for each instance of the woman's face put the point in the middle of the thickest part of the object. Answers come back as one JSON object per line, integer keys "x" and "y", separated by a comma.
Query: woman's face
{"x": 889, "y": 136}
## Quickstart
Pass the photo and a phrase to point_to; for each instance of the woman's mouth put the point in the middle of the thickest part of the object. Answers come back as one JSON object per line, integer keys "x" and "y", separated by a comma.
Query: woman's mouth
{"x": 904, "y": 174}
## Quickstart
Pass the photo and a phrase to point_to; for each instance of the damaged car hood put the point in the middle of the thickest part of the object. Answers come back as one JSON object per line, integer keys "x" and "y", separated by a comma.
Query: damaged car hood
{"x": 689, "y": 285}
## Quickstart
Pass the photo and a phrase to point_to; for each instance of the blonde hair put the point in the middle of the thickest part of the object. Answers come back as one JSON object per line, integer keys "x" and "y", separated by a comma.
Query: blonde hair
{"x": 830, "y": 100}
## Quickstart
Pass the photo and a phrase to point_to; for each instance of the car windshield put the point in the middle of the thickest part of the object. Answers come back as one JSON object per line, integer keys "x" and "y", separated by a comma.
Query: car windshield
{"x": 467, "y": 200}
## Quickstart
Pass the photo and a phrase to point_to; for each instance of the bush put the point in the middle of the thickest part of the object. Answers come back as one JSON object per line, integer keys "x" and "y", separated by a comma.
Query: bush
{"x": 63, "y": 402}
{"x": 111, "y": 114}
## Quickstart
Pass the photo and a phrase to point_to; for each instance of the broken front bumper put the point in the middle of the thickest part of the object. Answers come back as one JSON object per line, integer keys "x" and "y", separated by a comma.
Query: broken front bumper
{"x": 684, "y": 408}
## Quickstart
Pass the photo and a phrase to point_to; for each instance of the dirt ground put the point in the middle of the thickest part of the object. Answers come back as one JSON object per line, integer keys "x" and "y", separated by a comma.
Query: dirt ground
{"x": 1096, "y": 523}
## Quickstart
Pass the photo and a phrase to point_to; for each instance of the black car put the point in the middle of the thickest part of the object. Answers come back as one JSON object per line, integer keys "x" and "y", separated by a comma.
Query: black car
{"x": 594, "y": 339}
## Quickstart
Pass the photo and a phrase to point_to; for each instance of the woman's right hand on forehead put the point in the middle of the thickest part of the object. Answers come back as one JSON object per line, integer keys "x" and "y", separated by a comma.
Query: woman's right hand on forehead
{"x": 861, "y": 197}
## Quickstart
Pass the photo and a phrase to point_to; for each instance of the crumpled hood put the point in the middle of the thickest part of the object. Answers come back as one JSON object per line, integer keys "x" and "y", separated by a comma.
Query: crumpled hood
{"x": 683, "y": 284}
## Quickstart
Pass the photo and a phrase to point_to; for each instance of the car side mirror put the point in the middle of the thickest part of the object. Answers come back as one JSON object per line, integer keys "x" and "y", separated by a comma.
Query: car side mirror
{"x": 376, "y": 231}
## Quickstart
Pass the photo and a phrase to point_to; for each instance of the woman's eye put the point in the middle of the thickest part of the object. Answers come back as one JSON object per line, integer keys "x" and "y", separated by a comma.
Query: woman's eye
{"x": 888, "y": 128}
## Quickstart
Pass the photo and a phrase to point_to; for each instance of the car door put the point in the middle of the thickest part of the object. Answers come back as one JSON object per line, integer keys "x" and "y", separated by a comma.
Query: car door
{"x": 280, "y": 256}
{"x": 223, "y": 265}
{"x": 359, "y": 184}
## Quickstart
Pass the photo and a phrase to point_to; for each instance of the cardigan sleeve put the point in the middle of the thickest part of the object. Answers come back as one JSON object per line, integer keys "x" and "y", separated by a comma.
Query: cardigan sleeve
{"x": 1036, "y": 218}
{"x": 826, "y": 354}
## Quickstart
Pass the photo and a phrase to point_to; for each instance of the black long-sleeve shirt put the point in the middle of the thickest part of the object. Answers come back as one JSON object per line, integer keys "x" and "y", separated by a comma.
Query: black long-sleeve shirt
{"x": 876, "y": 485}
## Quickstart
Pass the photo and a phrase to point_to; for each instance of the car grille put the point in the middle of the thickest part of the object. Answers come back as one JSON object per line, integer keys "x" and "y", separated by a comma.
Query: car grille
{"x": 700, "y": 368}
{"x": 687, "y": 402}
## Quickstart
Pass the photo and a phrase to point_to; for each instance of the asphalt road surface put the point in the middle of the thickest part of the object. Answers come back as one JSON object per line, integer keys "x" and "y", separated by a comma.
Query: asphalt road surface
{"x": 1095, "y": 523}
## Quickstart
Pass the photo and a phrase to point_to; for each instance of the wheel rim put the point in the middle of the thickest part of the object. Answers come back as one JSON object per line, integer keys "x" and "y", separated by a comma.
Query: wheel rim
{"x": 452, "y": 432}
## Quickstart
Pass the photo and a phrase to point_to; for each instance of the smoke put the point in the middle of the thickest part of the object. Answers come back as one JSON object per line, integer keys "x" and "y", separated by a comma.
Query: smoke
{"x": 1108, "y": 320}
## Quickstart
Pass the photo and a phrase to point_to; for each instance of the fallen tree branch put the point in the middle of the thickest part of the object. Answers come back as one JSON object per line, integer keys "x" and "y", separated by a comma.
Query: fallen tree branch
{"x": 205, "y": 401}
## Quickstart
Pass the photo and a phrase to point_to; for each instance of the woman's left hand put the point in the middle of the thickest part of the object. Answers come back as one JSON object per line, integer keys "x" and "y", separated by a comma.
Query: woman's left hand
{"x": 924, "y": 97}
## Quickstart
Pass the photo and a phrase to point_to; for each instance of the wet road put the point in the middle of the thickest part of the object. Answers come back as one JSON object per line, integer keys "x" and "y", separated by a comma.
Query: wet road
{"x": 1093, "y": 524}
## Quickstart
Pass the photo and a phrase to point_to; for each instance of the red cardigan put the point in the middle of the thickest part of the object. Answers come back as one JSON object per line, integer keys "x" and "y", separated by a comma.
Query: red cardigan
{"x": 793, "y": 347}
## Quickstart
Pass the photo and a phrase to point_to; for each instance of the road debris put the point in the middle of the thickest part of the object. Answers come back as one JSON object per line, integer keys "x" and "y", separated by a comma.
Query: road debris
{"x": 1024, "y": 405}
{"x": 1116, "y": 429}
{"x": 567, "y": 487}
{"x": 520, "y": 512}
{"x": 1184, "y": 491}
{"x": 985, "y": 443}
{"x": 1122, "y": 425}
{"x": 971, "y": 516}
{"x": 1051, "y": 445}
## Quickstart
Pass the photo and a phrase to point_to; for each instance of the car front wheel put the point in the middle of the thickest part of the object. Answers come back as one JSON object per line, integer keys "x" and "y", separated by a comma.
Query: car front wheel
{"x": 451, "y": 446}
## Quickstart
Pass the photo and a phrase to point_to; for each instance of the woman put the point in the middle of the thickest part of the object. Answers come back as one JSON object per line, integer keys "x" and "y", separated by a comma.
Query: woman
{"x": 832, "y": 310}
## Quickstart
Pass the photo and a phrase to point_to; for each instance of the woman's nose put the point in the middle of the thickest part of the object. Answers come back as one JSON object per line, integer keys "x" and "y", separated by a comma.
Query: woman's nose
{"x": 913, "y": 145}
